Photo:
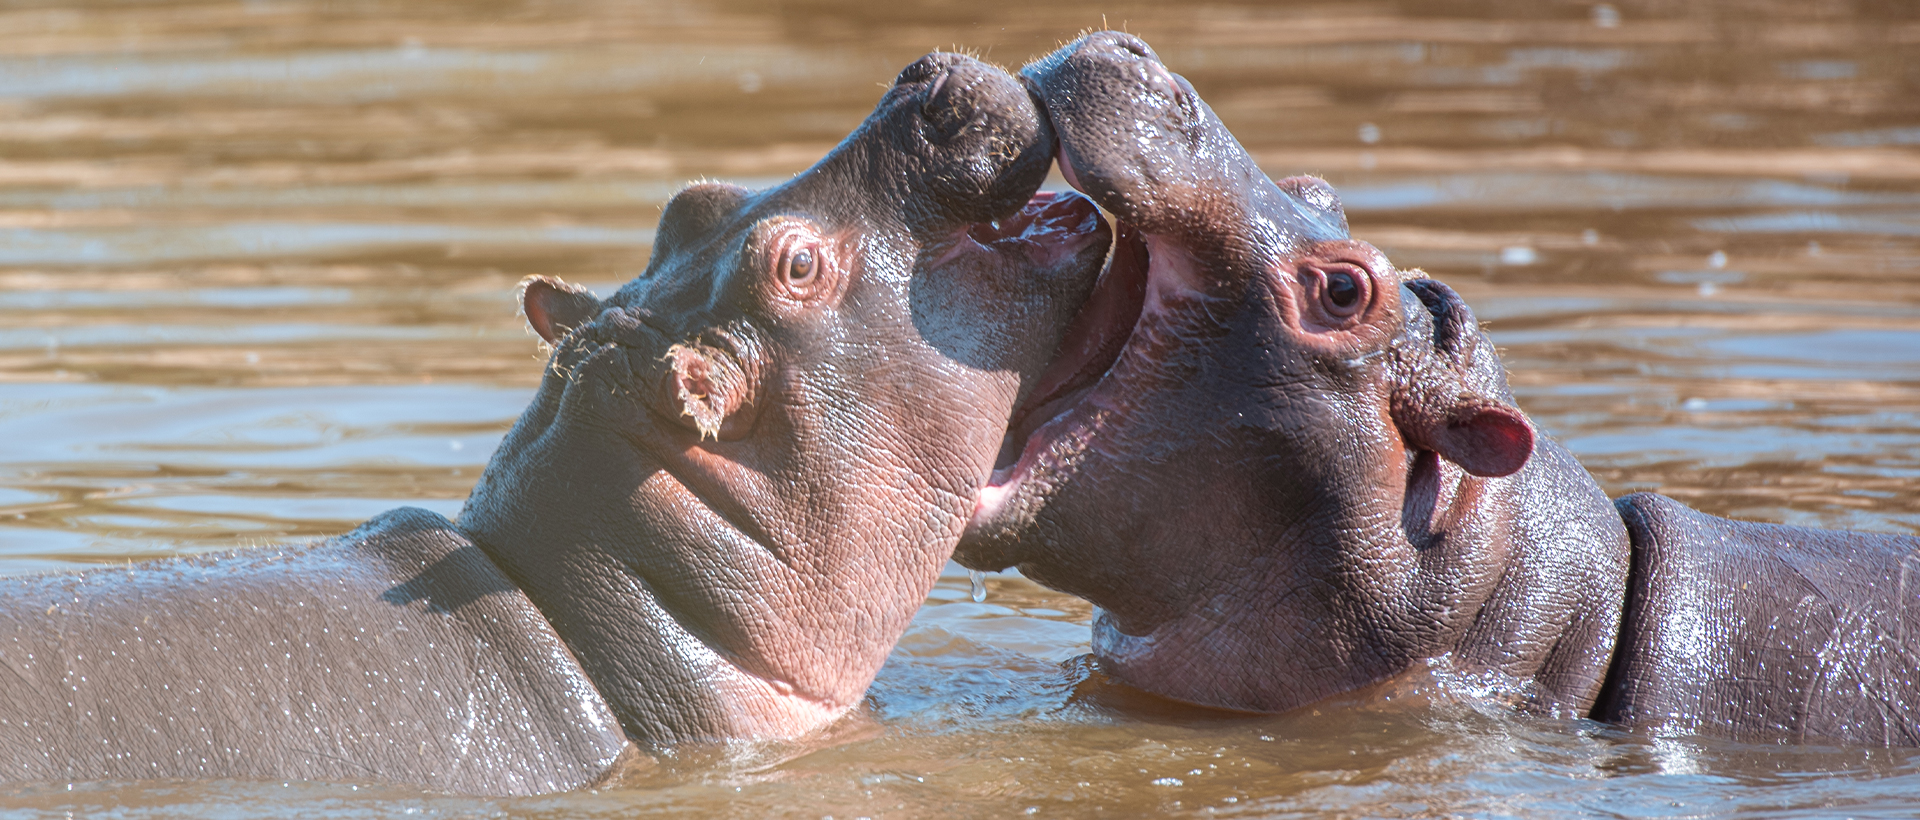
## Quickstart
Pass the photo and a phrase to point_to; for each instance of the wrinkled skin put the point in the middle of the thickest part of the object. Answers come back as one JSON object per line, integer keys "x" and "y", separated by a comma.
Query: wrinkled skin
{"x": 744, "y": 470}
{"x": 1301, "y": 473}
{"x": 1766, "y": 633}
{"x": 737, "y": 481}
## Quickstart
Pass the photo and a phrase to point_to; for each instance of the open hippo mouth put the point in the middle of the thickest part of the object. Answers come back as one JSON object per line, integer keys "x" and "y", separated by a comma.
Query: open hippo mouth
{"x": 1051, "y": 225}
{"x": 1100, "y": 332}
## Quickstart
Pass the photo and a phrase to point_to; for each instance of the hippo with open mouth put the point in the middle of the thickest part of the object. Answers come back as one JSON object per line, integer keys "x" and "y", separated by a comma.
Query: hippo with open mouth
{"x": 739, "y": 478}
{"x": 1284, "y": 470}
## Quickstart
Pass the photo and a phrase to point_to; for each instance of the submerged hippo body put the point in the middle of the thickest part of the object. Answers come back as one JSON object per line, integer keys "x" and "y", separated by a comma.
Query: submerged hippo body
{"x": 398, "y": 652}
{"x": 1766, "y": 632}
{"x": 737, "y": 481}
{"x": 1284, "y": 471}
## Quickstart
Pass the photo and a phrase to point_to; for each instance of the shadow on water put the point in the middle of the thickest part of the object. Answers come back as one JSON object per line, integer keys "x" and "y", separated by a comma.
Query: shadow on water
{"x": 257, "y": 263}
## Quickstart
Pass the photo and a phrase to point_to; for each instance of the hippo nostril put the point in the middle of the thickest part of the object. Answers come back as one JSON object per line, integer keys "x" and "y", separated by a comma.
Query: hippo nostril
{"x": 1157, "y": 72}
{"x": 948, "y": 107}
{"x": 937, "y": 85}
{"x": 921, "y": 70}
{"x": 1130, "y": 44}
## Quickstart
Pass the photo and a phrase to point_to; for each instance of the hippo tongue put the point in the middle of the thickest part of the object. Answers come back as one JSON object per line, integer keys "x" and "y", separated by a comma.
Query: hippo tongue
{"x": 1092, "y": 343}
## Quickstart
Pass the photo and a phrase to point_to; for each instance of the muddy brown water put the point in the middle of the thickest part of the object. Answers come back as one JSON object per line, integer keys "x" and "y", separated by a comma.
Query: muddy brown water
{"x": 256, "y": 265}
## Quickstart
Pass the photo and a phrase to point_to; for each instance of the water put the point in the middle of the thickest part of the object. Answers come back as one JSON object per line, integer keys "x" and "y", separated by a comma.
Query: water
{"x": 257, "y": 259}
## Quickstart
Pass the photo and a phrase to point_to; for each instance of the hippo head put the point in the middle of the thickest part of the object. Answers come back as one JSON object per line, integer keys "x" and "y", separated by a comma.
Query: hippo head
{"x": 743, "y": 471}
{"x": 1236, "y": 458}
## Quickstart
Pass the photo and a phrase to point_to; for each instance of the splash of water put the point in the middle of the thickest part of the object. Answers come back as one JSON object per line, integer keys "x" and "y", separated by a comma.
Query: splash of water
{"x": 979, "y": 580}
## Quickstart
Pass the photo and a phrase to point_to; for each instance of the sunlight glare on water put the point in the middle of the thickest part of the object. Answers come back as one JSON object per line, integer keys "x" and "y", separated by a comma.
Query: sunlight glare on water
{"x": 257, "y": 265}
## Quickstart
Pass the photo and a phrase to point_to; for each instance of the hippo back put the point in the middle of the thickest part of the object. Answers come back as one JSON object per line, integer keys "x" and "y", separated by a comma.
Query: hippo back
{"x": 1765, "y": 632}
{"x": 397, "y": 652}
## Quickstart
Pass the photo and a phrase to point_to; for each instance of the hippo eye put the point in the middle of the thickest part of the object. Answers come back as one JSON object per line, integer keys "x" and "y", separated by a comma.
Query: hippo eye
{"x": 801, "y": 267}
{"x": 1342, "y": 290}
{"x": 794, "y": 261}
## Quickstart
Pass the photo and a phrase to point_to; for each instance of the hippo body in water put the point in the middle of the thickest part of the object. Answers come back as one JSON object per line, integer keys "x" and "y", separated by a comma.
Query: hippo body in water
{"x": 1284, "y": 471}
{"x": 1766, "y": 632}
{"x": 398, "y": 653}
{"x": 736, "y": 483}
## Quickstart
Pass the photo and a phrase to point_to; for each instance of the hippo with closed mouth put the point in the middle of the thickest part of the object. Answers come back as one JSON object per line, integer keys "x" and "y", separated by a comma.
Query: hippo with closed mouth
{"x": 738, "y": 479}
{"x": 1284, "y": 470}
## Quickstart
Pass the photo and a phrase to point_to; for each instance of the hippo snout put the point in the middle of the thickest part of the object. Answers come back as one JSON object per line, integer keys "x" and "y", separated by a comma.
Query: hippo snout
{"x": 1126, "y": 49}
{"x": 968, "y": 136}
{"x": 1131, "y": 134}
{"x": 945, "y": 105}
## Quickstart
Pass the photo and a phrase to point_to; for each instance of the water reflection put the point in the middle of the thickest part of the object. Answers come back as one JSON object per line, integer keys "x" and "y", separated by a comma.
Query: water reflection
{"x": 244, "y": 240}
{"x": 256, "y": 263}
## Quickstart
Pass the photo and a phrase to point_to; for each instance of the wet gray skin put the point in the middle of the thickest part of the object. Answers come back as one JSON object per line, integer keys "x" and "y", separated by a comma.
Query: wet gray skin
{"x": 737, "y": 481}
{"x": 744, "y": 470}
{"x": 1285, "y": 471}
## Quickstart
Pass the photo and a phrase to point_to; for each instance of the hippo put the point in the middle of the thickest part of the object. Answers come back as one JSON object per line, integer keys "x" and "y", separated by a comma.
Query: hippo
{"x": 1285, "y": 471}
{"x": 739, "y": 477}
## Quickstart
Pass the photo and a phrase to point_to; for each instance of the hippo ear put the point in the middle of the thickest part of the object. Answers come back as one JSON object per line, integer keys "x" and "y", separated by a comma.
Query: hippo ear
{"x": 1486, "y": 439}
{"x": 1448, "y": 411}
{"x": 709, "y": 385}
{"x": 554, "y": 308}
{"x": 696, "y": 211}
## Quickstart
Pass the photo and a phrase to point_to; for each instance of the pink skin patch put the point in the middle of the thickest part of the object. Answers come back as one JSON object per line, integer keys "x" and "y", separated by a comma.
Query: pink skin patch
{"x": 1158, "y": 75}
{"x": 708, "y": 384}
{"x": 1066, "y": 169}
{"x": 1053, "y": 227}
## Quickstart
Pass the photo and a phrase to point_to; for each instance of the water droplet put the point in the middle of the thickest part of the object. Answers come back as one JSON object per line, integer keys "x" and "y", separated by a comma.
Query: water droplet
{"x": 979, "y": 580}
{"x": 1518, "y": 255}
{"x": 1606, "y": 16}
{"x": 1589, "y": 237}
{"x": 1369, "y": 133}
{"x": 1717, "y": 260}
